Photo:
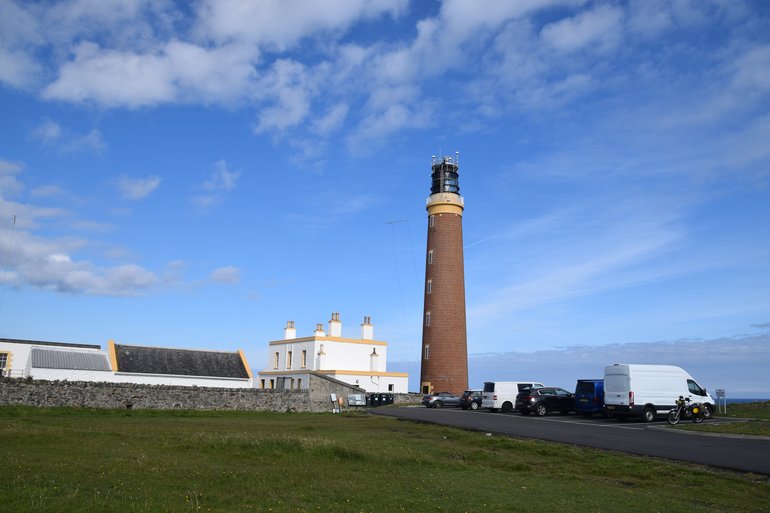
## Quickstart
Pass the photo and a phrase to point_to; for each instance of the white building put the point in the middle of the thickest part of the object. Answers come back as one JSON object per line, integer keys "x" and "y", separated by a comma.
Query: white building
{"x": 358, "y": 361}
{"x": 53, "y": 361}
{"x": 123, "y": 363}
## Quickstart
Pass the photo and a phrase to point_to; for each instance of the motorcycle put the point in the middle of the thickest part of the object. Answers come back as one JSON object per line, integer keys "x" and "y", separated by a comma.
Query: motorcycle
{"x": 685, "y": 409}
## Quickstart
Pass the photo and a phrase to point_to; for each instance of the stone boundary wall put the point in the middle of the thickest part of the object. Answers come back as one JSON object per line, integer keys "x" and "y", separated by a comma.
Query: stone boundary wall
{"x": 409, "y": 398}
{"x": 83, "y": 394}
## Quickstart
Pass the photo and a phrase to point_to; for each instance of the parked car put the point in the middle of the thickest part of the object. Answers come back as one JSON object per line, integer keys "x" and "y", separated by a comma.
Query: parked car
{"x": 544, "y": 400}
{"x": 501, "y": 395}
{"x": 589, "y": 396}
{"x": 471, "y": 399}
{"x": 441, "y": 399}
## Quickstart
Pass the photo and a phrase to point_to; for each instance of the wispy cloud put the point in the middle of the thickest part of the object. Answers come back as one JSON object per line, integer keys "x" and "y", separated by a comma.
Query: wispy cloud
{"x": 50, "y": 133}
{"x": 229, "y": 274}
{"x": 220, "y": 182}
{"x": 9, "y": 183}
{"x": 50, "y": 262}
{"x": 137, "y": 188}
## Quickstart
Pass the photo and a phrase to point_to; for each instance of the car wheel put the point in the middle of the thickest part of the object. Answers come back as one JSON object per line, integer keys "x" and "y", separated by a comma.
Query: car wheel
{"x": 541, "y": 410}
{"x": 437, "y": 404}
{"x": 474, "y": 405}
{"x": 507, "y": 407}
{"x": 707, "y": 412}
{"x": 648, "y": 414}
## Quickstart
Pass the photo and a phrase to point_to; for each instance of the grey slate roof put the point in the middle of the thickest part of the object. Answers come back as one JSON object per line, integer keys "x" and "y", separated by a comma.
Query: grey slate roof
{"x": 41, "y": 343}
{"x": 181, "y": 362}
{"x": 44, "y": 358}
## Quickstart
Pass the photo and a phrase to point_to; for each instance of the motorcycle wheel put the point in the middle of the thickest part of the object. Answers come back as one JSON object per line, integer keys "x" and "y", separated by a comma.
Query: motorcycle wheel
{"x": 698, "y": 417}
{"x": 673, "y": 417}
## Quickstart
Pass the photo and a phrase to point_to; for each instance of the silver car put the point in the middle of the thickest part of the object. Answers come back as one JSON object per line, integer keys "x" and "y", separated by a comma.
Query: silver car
{"x": 441, "y": 399}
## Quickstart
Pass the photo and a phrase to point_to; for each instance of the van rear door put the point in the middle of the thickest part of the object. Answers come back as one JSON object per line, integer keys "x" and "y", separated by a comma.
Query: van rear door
{"x": 616, "y": 388}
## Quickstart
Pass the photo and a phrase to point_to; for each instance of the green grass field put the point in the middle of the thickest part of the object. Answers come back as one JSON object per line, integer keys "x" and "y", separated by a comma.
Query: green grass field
{"x": 77, "y": 460}
{"x": 757, "y": 423}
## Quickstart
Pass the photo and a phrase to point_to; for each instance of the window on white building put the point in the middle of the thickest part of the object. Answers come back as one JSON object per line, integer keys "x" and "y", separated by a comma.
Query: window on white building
{"x": 275, "y": 362}
{"x": 304, "y": 358}
{"x": 299, "y": 383}
{"x": 288, "y": 360}
{"x": 3, "y": 363}
{"x": 390, "y": 387}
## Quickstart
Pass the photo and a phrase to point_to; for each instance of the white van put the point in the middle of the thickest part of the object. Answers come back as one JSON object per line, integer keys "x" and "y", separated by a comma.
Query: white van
{"x": 649, "y": 390}
{"x": 501, "y": 395}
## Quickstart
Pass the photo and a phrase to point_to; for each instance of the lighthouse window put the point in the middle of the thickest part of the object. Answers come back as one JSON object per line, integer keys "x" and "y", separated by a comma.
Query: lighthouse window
{"x": 430, "y": 257}
{"x": 427, "y": 318}
{"x": 426, "y": 354}
{"x": 431, "y": 221}
{"x": 429, "y": 287}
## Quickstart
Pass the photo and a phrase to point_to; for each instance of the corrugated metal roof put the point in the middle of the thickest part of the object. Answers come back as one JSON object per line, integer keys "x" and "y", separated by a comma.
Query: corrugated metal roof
{"x": 76, "y": 360}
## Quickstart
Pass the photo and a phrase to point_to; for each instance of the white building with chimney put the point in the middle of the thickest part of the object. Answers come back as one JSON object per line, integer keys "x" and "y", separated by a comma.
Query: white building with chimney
{"x": 358, "y": 361}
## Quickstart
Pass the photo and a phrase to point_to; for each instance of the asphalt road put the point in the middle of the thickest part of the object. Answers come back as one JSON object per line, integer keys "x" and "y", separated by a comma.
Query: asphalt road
{"x": 742, "y": 453}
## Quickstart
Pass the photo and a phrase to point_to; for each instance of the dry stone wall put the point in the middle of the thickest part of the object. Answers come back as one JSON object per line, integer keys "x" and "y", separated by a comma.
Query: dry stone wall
{"x": 136, "y": 396}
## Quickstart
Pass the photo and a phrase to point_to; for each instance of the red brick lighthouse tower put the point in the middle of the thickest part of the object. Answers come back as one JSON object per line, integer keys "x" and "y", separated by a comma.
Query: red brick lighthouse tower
{"x": 444, "y": 339}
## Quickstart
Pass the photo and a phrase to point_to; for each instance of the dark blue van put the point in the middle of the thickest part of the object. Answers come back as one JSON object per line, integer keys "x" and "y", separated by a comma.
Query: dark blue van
{"x": 589, "y": 396}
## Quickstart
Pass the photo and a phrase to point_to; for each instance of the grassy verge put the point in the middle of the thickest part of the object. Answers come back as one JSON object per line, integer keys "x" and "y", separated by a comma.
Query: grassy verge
{"x": 757, "y": 422}
{"x": 144, "y": 461}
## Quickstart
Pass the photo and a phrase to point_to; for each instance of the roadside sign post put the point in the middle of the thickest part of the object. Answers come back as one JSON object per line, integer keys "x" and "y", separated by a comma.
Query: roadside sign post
{"x": 721, "y": 400}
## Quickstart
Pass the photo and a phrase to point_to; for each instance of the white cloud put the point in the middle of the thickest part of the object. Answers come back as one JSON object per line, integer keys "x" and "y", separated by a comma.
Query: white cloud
{"x": 288, "y": 89}
{"x": 17, "y": 69}
{"x": 229, "y": 274}
{"x": 9, "y": 184}
{"x": 51, "y": 133}
{"x": 283, "y": 24}
{"x": 600, "y": 27}
{"x": 752, "y": 69}
{"x": 332, "y": 120}
{"x": 46, "y": 191}
{"x": 137, "y": 188}
{"x": 48, "y": 132}
{"x": 48, "y": 264}
{"x": 219, "y": 183}
{"x": 222, "y": 179}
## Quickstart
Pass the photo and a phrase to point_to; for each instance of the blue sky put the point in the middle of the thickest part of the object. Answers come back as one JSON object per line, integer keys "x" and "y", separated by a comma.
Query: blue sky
{"x": 195, "y": 174}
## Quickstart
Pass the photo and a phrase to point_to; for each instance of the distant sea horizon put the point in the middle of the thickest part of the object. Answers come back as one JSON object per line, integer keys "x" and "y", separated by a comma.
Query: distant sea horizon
{"x": 744, "y": 400}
